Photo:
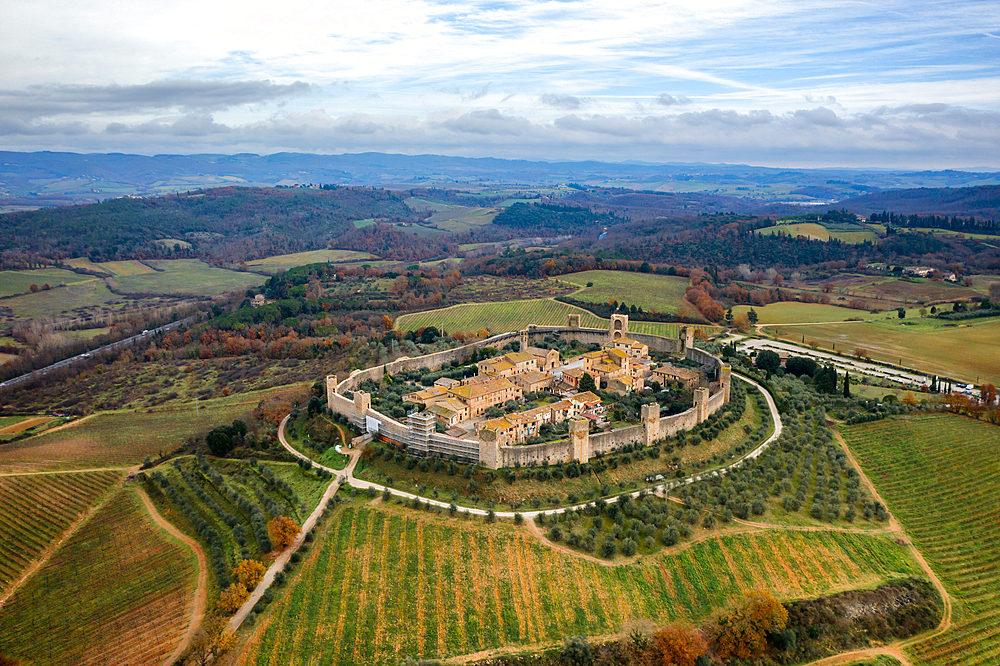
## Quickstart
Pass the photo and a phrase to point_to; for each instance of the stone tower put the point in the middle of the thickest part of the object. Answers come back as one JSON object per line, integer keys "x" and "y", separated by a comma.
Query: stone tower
{"x": 701, "y": 403}
{"x": 489, "y": 449}
{"x": 619, "y": 327}
{"x": 725, "y": 380}
{"x": 579, "y": 437}
{"x": 573, "y": 321}
{"x": 362, "y": 403}
{"x": 331, "y": 388}
{"x": 651, "y": 422}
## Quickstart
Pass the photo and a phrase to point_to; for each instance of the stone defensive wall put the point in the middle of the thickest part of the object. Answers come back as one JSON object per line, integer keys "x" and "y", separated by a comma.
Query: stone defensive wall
{"x": 419, "y": 437}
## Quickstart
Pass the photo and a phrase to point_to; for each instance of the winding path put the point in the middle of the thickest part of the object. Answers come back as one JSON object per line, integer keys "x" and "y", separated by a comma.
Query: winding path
{"x": 200, "y": 593}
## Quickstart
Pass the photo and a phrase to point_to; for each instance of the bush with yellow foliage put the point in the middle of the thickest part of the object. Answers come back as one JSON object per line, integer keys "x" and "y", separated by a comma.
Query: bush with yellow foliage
{"x": 232, "y": 598}
{"x": 249, "y": 573}
{"x": 743, "y": 632}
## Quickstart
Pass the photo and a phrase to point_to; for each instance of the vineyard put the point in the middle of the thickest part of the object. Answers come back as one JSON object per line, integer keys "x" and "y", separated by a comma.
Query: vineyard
{"x": 116, "y": 592}
{"x": 940, "y": 476}
{"x": 503, "y": 317}
{"x": 35, "y": 510}
{"x": 383, "y": 583}
{"x": 500, "y": 317}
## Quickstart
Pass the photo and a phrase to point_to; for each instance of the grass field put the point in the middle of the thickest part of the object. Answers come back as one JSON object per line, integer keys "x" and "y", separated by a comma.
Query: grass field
{"x": 452, "y": 217}
{"x": 910, "y": 289}
{"x": 115, "y": 593}
{"x": 36, "y": 509}
{"x": 660, "y": 293}
{"x": 502, "y": 317}
{"x": 186, "y": 276}
{"x": 793, "y": 312}
{"x": 384, "y": 583}
{"x": 940, "y": 477}
{"x": 78, "y": 297}
{"x": 19, "y": 282}
{"x": 926, "y": 344}
{"x": 283, "y": 262}
{"x": 124, "y": 438}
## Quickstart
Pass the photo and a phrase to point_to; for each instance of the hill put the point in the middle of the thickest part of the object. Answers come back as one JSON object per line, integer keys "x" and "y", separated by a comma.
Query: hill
{"x": 982, "y": 201}
{"x": 228, "y": 223}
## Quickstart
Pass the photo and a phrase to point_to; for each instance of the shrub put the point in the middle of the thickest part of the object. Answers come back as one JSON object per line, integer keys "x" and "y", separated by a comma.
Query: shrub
{"x": 249, "y": 573}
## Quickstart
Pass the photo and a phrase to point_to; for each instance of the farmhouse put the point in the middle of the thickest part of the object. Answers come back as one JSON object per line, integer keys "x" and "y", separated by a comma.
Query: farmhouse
{"x": 670, "y": 374}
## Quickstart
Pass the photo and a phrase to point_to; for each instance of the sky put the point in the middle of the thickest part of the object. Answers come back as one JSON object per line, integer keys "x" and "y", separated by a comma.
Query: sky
{"x": 801, "y": 83}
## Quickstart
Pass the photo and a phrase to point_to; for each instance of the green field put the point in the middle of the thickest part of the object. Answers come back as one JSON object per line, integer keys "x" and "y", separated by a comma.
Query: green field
{"x": 793, "y": 312}
{"x": 819, "y": 232}
{"x": 284, "y": 262}
{"x": 660, "y": 293}
{"x": 186, "y": 277}
{"x": 36, "y": 509}
{"x": 925, "y": 344}
{"x": 117, "y": 592}
{"x": 78, "y": 298}
{"x": 940, "y": 476}
{"x": 498, "y": 317}
{"x": 384, "y": 583}
{"x": 19, "y": 282}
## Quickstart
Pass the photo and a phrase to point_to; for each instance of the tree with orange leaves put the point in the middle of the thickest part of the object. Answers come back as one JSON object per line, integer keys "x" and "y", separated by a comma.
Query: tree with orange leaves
{"x": 677, "y": 645}
{"x": 743, "y": 632}
{"x": 282, "y": 531}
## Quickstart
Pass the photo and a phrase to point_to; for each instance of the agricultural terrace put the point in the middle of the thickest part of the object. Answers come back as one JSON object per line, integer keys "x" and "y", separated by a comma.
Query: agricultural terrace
{"x": 36, "y": 509}
{"x": 659, "y": 293}
{"x": 283, "y": 262}
{"x": 122, "y": 438}
{"x": 19, "y": 282}
{"x": 383, "y": 583}
{"x": 226, "y": 504}
{"x": 931, "y": 345}
{"x": 503, "y": 317}
{"x": 117, "y": 592}
{"x": 184, "y": 277}
{"x": 940, "y": 476}
{"x": 12, "y": 426}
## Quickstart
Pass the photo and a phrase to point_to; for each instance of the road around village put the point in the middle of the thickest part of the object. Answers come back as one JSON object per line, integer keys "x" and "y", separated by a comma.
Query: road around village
{"x": 347, "y": 476}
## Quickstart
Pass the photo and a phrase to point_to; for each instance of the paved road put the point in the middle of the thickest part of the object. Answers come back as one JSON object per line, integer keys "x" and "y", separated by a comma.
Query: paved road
{"x": 79, "y": 357}
{"x": 842, "y": 363}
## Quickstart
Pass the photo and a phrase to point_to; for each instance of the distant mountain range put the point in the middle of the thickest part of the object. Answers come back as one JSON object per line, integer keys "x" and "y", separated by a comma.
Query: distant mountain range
{"x": 54, "y": 179}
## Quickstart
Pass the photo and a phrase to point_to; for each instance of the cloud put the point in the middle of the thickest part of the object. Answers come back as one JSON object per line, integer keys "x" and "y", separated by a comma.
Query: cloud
{"x": 185, "y": 94}
{"x": 488, "y": 121}
{"x": 671, "y": 100}
{"x": 821, "y": 116}
{"x": 562, "y": 102}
